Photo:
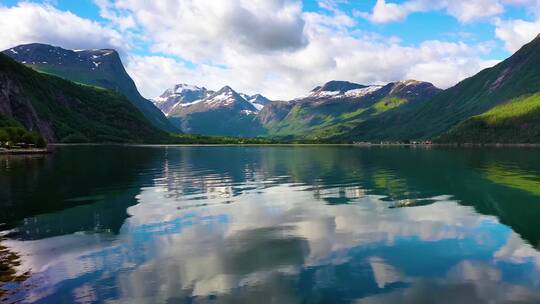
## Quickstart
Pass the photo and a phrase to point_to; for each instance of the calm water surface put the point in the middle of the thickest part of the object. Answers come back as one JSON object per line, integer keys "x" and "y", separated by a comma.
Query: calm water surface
{"x": 272, "y": 225}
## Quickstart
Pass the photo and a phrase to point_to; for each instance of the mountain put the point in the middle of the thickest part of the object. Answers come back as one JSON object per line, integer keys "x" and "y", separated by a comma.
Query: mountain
{"x": 196, "y": 110}
{"x": 516, "y": 121}
{"x": 98, "y": 67}
{"x": 515, "y": 77}
{"x": 338, "y": 106}
{"x": 327, "y": 110}
{"x": 224, "y": 112}
{"x": 258, "y": 101}
{"x": 335, "y": 87}
{"x": 180, "y": 95}
{"x": 62, "y": 111}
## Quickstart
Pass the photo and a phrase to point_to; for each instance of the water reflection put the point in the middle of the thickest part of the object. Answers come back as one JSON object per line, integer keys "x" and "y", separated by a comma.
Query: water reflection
{"x": 276, "y": 225}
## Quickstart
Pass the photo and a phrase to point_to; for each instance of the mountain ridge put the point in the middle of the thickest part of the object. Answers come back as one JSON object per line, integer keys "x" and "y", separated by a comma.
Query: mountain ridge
{"x": 97, "y": 67}
{"x": 224, "y": 112}
{"x": 337, "y": 106}
{"x": 63, "y": 111}
{"x": 516, "y": 76}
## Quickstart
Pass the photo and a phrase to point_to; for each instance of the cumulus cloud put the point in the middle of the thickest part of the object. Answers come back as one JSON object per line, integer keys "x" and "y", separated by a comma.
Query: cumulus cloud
{"x": 330, "y": 48}
{"x": 29, "y": 22}
{"x": 293, "y": 74}
{"x": 469, "y": 10}
{"x": 463, "y": 10}
{"x": 385, "y": 12}
{"x": 257, "y": 46}
{"x": 516, "y": 33}
{"x": 201, "y": 30}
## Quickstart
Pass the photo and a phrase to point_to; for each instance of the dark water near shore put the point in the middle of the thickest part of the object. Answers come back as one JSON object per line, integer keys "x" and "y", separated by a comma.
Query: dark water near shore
{"x": 273, "y": 225}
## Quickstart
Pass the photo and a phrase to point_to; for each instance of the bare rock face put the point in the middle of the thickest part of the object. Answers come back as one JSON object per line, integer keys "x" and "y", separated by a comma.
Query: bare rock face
{"x": 275, "y": 111}
{"x": 15, "y": 104}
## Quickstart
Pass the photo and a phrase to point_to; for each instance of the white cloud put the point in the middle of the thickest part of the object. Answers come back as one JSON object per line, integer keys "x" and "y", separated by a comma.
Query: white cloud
{"x": 516, "y": 33}
{"x": 202, "y": 30}
{"x": 256, "y": 46}
{"x": 325, "y": 58}
{"x": 330, "y": 49}
{"x": 123, "y": 21}
{"x": 385, "y": 12}
{"x": 463, "y": 10}
{"x": 31, "y": 22}
{"x": 469, "y": 10}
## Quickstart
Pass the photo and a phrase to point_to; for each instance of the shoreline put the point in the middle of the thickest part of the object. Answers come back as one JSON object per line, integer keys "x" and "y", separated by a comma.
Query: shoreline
{"x": 24, "y": 151}
{"x": 432, "y": 145}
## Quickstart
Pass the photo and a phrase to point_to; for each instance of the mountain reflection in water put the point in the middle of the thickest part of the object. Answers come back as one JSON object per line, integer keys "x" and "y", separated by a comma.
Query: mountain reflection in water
{"x": 118, "y": 224}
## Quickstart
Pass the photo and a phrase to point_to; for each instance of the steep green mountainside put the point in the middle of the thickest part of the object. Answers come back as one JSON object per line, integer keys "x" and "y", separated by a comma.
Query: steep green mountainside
{"x": 516, "y": 121}
{"x": 337, "y": 107}
{"x": 62, "y": 111}
{"x": 516, "y": 76}
{"x": 100, "y": 67}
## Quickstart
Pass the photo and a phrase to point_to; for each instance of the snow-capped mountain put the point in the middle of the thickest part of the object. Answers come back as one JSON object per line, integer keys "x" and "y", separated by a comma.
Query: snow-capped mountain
{"x": 340, "y": 105}
{"x": 336, "y": 91}
{"x": 228, "y": 98}
{"x": 341, "y": 89}
{"x": 47, "y": 55}
{"x": 183, "y": 97}
{"x": 257, "y": 100}
{"x": 225, "y": 112}
{"x": 180, "y": 95}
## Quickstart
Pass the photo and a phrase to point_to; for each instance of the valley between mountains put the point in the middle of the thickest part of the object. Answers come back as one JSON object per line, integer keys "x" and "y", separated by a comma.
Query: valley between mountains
{"x": 87, "y": 96}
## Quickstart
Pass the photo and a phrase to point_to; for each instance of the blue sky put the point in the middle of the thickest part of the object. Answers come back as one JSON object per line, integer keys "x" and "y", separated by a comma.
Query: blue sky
{"x": 281, "y": 48}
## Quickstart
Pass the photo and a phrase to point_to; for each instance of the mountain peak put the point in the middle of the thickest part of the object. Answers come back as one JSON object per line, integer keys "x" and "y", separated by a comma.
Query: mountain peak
{"x": 45, "y": 56}
{"x": 410, "y": 89}
{"x": 180, "y": 95}
{"x": 226, "y": 93}
{"x": 338, "y": 86}
{"x": 183, "y": 87}
{"x": 227, "y": 89}
{"x": 96, "y": 67}
{"x": 409, "y": 82}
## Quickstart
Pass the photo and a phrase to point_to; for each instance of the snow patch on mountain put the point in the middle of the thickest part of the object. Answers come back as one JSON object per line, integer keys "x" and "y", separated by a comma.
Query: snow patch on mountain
{"x": 363, "y": 92}
{"x": 340, "y": 90}
{"x": 181, "y": 97}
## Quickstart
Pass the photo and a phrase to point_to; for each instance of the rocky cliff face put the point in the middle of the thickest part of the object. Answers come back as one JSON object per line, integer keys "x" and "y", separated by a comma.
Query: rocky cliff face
{"x": 14, "y": 103}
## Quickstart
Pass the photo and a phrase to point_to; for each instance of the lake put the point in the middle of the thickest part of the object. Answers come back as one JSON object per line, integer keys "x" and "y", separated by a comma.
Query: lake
{"x": 292, "y": 224}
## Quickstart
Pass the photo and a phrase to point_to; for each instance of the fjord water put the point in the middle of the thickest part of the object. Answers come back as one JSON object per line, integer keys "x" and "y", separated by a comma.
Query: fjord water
{"x": 112, "y": 224}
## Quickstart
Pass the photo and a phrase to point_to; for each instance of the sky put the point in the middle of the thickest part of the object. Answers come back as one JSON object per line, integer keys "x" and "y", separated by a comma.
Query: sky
{"x": 281, "y": 48}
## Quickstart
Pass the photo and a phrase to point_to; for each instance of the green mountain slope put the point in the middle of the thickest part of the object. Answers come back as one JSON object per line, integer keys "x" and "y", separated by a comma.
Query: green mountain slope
{"x": 516, "y": 76}
{"x": 517, "y": 121}
{"x": 63, "y": 111}
{"x": 102, "y": 68}
{"x": 337, "y": 107}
